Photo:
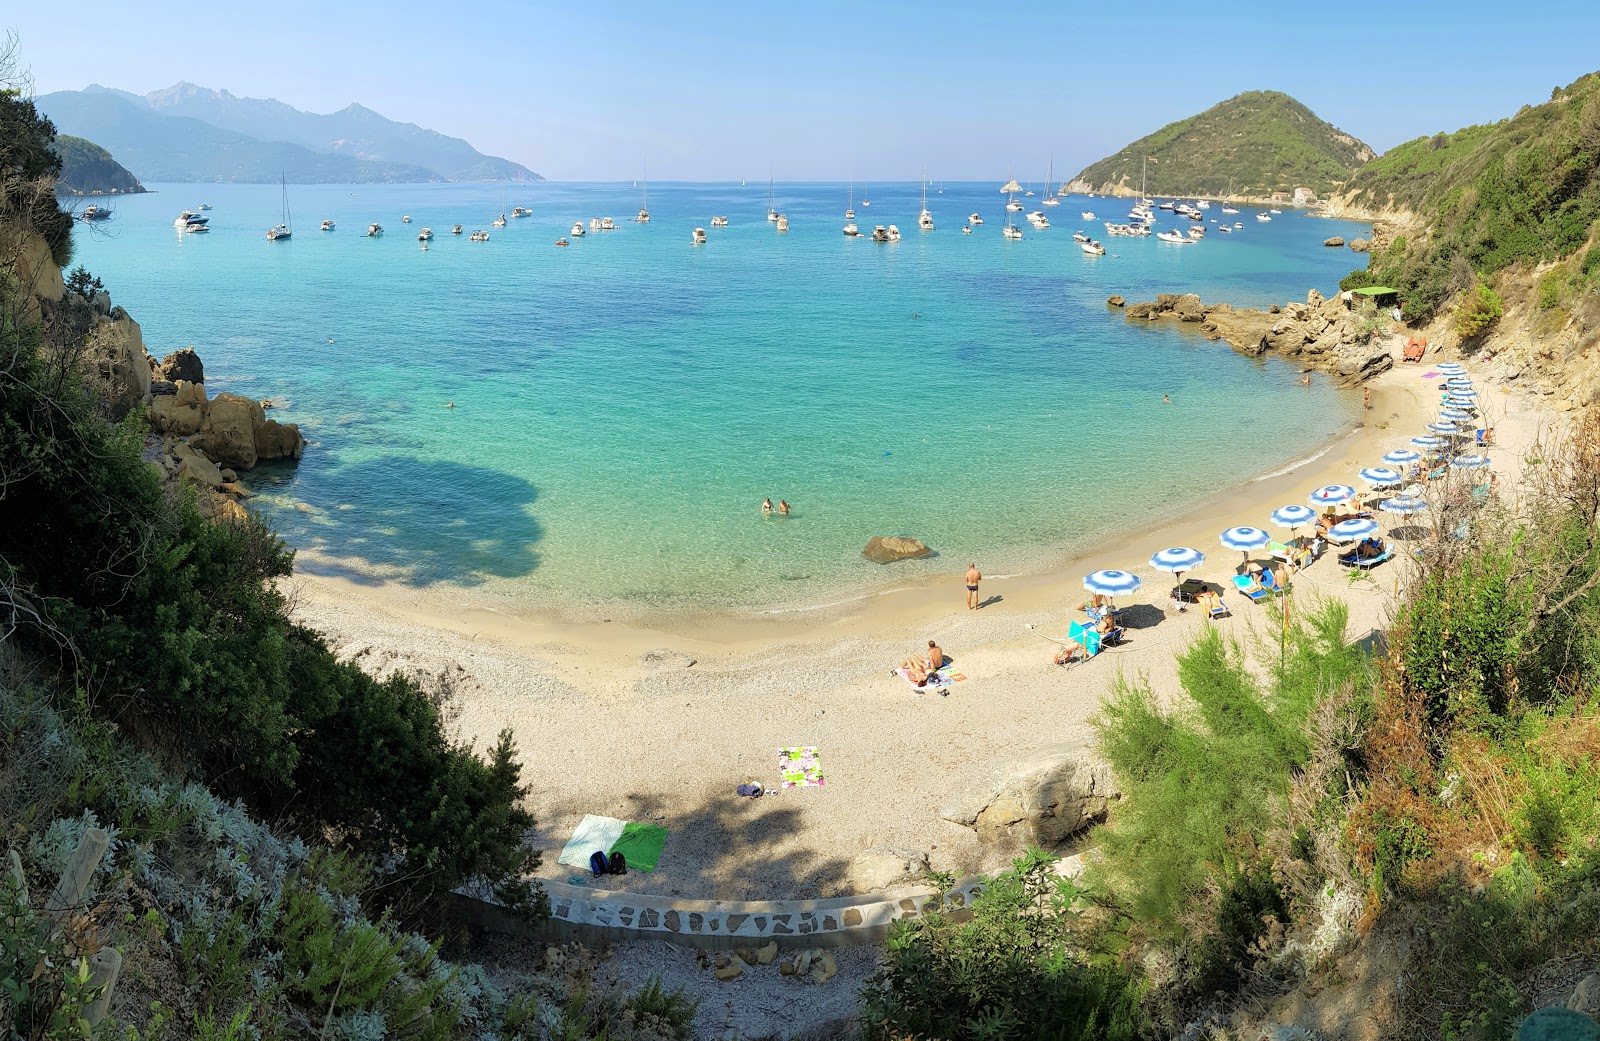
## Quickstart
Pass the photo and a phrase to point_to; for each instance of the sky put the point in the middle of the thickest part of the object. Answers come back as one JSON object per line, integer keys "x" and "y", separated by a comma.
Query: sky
{"x": 823, "y": 90}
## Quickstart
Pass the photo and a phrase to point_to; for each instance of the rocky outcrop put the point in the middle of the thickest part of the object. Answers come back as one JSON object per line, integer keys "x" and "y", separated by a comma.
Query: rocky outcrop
{"x": 881, "y": 868}
{"x": 1336, "y": 335}
{"x": 1115, "y": 300}
{"x": 31, "y": 263}
{"x": 115, "y": 351}
{"x": 228, "y": 433}
{"x": 180, "y": 412}
{"x": 1335, "y": 241}
{"x": 886, "y": 549}
{"x": 183, "y": 364}
{"x": 1038, "y": 801}
{"x": 275, "y": 440}
{"x": 1359, "y": 245}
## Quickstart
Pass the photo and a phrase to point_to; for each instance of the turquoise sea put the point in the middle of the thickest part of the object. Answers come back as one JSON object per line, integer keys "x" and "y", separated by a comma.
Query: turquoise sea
{"x": 623, "y": 405}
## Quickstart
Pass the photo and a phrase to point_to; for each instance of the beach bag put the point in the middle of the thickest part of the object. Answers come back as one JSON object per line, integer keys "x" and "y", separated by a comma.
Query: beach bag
{"x": 619, "y": 864}
{"x": 598, "y": 863}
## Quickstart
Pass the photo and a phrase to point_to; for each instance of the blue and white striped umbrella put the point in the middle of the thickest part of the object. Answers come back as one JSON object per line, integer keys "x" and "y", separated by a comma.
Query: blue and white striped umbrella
{"x": 1450, "y": 366}
{"x": 1427, "y": 441}
{"x": 1402, "y": 457}
{"x": 1464, "y": 394}
{"x": 1112, "y": 583}
{"x": 1350, "y": 530}
{"x": 1443, "y": 428}
{"x": 1245, "y": 538}
{"x": 1332, "y": 495}
{"x": 1454, "y": 415}
{"x": 1459, "y": 381}
{"x": 1404, "y": 504}
{"x": 1178, "y": 559}
{"x": 1469, "y": 462}
{"x": 1381, "y": 476}
{"x": 1293, "y": 516}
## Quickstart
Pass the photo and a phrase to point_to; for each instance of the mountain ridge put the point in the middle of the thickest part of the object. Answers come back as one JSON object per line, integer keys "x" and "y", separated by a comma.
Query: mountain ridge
{"x": 1250, "y": 145}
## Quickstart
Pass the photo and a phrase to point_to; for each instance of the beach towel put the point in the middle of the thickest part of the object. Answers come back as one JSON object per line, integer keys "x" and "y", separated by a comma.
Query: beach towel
{"x": 943, "y": 678}
{"x": 641, "y": 844}
{"x": 799, "y": 767}
{"x": 593, "y": 835}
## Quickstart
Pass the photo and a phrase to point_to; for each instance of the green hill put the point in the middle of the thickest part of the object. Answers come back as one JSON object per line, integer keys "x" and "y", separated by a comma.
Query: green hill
{"x": 1525, "y": 190}
{"x": 88, "y": 169}
{"x": 1257, "y": 143}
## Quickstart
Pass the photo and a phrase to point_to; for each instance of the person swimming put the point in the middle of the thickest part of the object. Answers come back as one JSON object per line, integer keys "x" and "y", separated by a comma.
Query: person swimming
{"x": 783, "y": 507}
{"x": 766, "y": 507}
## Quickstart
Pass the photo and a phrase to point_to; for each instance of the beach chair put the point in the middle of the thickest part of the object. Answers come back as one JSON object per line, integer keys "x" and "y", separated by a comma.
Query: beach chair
{"x": 1295, "y": 556}
{"x": 1414, "y": 350}
{"x": 1356, "y": 560}
{"x": 1270, "y": 584}
{"x": 1188, "y": 592}
{"x": 1085, "y": 637}
{"x": 1219, "y": 610}
{"x": 1247, "y": 585}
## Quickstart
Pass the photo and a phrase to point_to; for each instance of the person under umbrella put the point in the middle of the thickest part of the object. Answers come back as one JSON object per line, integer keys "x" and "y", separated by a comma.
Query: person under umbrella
{"x": 1293, "y": 517}
{"x": 1177, "y": 560}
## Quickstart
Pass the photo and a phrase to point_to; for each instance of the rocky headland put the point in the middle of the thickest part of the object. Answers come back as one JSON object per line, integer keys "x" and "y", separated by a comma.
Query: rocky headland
{"x": 1338, "y": 335}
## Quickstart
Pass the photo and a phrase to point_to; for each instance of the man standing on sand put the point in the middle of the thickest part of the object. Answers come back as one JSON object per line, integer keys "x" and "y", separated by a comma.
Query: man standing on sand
{"x": 974, "y": 576}
{"x": 1366, "y": 398}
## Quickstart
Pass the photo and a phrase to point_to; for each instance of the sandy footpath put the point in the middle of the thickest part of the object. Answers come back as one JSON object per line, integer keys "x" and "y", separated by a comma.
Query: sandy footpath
{"x": 612, "y": 718}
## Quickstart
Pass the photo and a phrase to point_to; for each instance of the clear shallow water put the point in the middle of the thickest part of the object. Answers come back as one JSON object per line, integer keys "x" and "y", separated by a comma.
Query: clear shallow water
{"x": 623, "y": 405}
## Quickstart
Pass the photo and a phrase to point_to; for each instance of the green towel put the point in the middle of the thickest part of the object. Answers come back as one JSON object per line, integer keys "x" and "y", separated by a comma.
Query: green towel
{"x": 641, "y": 844}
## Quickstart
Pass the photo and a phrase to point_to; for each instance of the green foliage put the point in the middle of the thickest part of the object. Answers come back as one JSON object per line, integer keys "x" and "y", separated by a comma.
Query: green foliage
{"x": 83, "y": 283}
{"x": 86, "y": 167}
{"x": 1521, "y": 191}
{"x": 1360, "y": 278}
{"x": 44, "y": 992}
{"x": 28, "y": 170}
{"x": 1198, "y": 780}
{"x": 1013, "y": 971}
{"x": 1257, "y": 142}
{"x": 1459, "y": 642}
{"x": 1479, "y": 308}
{"x": 669, "y": 1012}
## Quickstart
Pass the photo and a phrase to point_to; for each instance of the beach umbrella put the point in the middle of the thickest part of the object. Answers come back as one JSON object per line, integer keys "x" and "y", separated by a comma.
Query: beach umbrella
{"x": 1426, "y": 442}
{"x": 1450, "y": 366}
{"x": 1381, "y": 476}
{"x": 1112, "y": 583}
{"x": 1177, "y": 560}
{"x": 1332, "y": 495}
{"x": 1402, "y": 457}
{"x": 1454, "y": 415}
{"x": 1443, "y": 428}
{"x": 1350, "y": 530}
{"x": 1293, "y": 516}
{"x": 1464, "y": 394}
{"x": 1244, "y": 539}
{"x": 1459, "y": 381}
{"x": 1469, "y": 462}
{"x": 1403, "y": 504}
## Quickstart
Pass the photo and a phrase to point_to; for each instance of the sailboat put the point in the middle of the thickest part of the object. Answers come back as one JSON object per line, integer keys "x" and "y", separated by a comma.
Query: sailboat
{"x": 644, "y": 202}
{"x": 282, "y": 231}
{"x": 925, "y": 219}
{"x": 850, "y": 210}
{"x": 1226, "y": 208}
{"x": 1011, "y": 188}
{"x": 772, "y": 211}
{"x": 864, "y": 200}
{"x": 1050, "y": 196}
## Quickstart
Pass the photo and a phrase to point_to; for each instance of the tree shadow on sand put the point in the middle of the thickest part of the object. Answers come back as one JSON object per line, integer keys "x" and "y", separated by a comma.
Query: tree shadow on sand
{"x": 407, "y": 520}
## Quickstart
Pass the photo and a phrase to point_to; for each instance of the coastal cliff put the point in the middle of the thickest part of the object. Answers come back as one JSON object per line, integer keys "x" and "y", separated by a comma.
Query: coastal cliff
{"x": 1339, "y": 335}
{"x": 88, "y": 169}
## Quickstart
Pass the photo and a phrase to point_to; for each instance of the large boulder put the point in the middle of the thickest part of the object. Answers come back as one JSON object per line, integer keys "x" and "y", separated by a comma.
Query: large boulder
{"x": 1334, "y": 241}
{"x": 1314, "y": 298}
{"x": 196, "y": 468}
{"x": 180, "y": 413}
{"x": 878, "y": 869}
{"x": 1115, "y": 300}
{"x": 1359, "y": 245}
{"x": 275, "y": 440}
{"x": 115, "y": 353}
{"x": 1585, "y": 997}
{"x": 28, "y": 256}
{"x": 1357, "y": 362}
{"x": 228, "y": 434}
{"x": 1146, "y": 311}
{"x": 1189, "y": 308}
{"x": 1038, "y": 801}
{"x": 886, "y": 549}
{"x": 183, "y": 365}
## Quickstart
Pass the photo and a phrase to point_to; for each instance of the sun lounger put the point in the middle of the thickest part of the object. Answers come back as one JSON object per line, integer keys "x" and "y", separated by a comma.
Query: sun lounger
{"x": 1247, "y": 585}
{"x": 1356, "y": 560}
{"x": 1219, "y": 609}
{"x": 1299, "y": 556}
{"x": 1188, "y": 591}
{"x": 1114, "y": 635}
{"x": 1414, "y": 350}
{"x": 1270, "y": 584}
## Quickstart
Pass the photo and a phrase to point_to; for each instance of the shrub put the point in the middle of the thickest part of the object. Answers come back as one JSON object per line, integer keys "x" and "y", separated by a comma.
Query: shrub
{"x": 1479, "y": 308}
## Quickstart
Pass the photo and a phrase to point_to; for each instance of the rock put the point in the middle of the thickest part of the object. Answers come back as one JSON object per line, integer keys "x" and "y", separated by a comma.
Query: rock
{"x": 1141, "y": 311}
{"x": 1274, "y": 309}
{"x": 180, "y": 412}
{"x": 196, "y": 468}
{"x": 1189, "y": 308}
{"x": 1314, "y": 298}
{"x": 229, "y": 475}
{"x": 228, "y": 434}
{"x": 885, "y": 549}
{"x": 1037, "y": 801}
{"x": 32, "y": 265}
{"x": 1115, "y": 300}
{"x": 786, "y": 967}
{"x": 1334, "y": 241}
{"x": 1358, "y": 362}
{"x": 183, "y": 365}
{"x": 115, "y": 351}
{"x": 1359, "y": 245}
{"x": 1558, "y": 1024}
{"x": 730, "y": 968}
{"x": 275, "y": 440}
{"x": 768, "y": 954}
{"x": 824, "y": 967}
{"x": 877, "y": 869}
{"x": 234, "y": 488}
{"x": 160, "y": 387}
{"x": 230, "y": 512}
{"x": 1585, "y": 997}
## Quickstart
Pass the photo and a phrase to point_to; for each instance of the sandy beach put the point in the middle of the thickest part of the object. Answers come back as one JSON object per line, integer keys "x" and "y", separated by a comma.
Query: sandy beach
{"x": 661, "y": 720}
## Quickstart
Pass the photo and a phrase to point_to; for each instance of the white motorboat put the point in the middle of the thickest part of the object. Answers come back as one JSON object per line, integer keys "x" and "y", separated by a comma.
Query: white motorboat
{"x": 719, "y": 222}
{"x": 1014, "y": 206}
{"x": 607, "y": 224}
{"x": 521, "y": 211}
{"x": 1087, "y": 215}
{"x": 94, "y": 213}
{"x": 880, "y": 234}
{"x": 203, "y": 206}
{"x": 1079, "y": 236}
{"x": 498, "y": 222}
{"x": 1011, "y": 231}
{"x": 1196, "y": 234}
{"x": 188, "y": 217}
{"x": 1038, "y": 219}
{"x": 973, "y": 220}
{"x": 425, "y": 235}
{"x": 966, "y": 229}
{"x": 1202, "y": 204}
{"x": 327, "y": 225}
{"x": 852, "y": 230}
{"x": 478, "y": 236}
{"x": 455, "y": 229}
{"x": 196, "y": 229}
{"x": 894, "y": 233}
{"x": 374, "y": 230}
{"x": 1094, "y": 249}
{"x": 699, "y": 237}
{"x": 1277, "y": 213}
{"x": 1173, "y": 236}
{"x": 577, "y": 229}
{"x": 1230, "y": 209}
{"x": 782, "y": 223}
{"x": 406, "y": 219}
{"x": 283, "y": 230}
{"x": 1226, "y": 229}
{"x": 1238, "y": 224}
{"x": 594, "y": 223}
{"x": 1263, "y": 218}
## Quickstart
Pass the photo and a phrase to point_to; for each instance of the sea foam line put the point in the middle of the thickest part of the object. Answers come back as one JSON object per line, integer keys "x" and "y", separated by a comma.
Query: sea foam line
{"x": 1297, "y": 464}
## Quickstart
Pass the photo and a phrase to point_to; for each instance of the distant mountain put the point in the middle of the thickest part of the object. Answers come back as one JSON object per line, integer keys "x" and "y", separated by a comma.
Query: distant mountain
{"x": 166, "y": 136}
{"x": 88, "y": 169}
{"x": 1259, "y": 142}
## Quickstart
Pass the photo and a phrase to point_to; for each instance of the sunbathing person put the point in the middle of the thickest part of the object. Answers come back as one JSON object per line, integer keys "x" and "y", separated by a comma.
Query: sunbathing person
{"x": 1369, "y": 548}
{"x": 1209, "y": 600}
{"x": 919, "y": 669}
{"x": 1070, "y": 652}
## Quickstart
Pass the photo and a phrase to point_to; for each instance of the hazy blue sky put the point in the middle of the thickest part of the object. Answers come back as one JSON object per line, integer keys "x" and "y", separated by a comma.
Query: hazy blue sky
{"x": 827, "y": 90}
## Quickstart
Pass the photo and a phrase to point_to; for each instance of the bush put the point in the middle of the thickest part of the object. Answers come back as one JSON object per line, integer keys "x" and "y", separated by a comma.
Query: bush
{"x": 1013, "y": 971}
{"x": 1479, "y": 308}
